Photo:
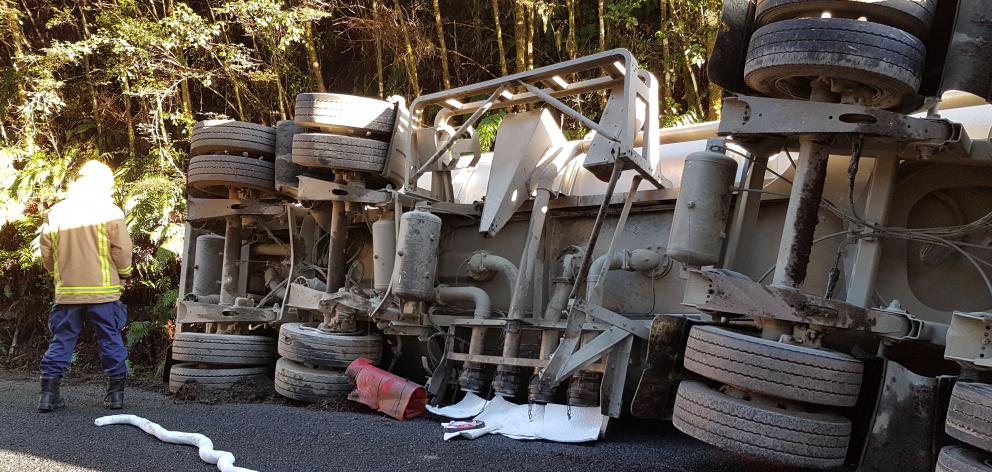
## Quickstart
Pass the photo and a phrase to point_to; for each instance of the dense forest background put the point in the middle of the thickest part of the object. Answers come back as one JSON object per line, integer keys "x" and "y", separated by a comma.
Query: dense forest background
{"x": 123, "y": 81}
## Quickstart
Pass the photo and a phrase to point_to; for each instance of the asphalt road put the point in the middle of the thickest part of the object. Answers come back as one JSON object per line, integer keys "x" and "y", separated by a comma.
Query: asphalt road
{"x": 280, "y": 437}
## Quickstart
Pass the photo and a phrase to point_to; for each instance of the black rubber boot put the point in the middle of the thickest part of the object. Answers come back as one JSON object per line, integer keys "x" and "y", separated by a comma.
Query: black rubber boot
{"x": 115, "y": 394}
{"x": 51, "y": 399}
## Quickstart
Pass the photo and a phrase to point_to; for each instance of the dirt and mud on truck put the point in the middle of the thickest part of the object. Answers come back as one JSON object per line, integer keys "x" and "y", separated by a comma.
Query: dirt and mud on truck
{"x": 806, "y": 281}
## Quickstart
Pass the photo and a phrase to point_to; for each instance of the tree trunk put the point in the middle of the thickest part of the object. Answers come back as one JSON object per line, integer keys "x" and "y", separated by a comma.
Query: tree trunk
{"x": 602, "y": 25}
{"x": 570, "y": 45}
{"x": 531, "y": 31}
{"x": 280, "y": 92}
{"x": 131, "y": 143}
{"x": 411, "y": 62}
{"x": 499, "y": 40}
{"x": 520, "y": 34}
{"x": 380, "y": 78}
{"x": 445, "y": 74}
{"x": 88, "y": 71}
{"x": 666, "y": 59}
{"x": 313, "y": 58}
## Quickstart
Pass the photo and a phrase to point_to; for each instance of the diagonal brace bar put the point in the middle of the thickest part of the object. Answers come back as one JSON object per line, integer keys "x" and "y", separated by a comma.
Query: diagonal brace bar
{"x": 562, "y": 107}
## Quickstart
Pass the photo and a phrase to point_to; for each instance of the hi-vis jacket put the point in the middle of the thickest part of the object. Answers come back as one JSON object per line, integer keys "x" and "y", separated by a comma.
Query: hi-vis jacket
{"x": 85, "y": 245}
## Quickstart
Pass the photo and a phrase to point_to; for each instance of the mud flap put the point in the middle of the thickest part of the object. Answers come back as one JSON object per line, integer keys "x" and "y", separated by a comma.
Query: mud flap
{"x": 906, "y": 428}
{"x": 655, "y": 394}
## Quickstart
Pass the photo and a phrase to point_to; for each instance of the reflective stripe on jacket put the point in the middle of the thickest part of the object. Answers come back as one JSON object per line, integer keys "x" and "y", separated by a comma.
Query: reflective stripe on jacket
{"x": 85, "y": 245}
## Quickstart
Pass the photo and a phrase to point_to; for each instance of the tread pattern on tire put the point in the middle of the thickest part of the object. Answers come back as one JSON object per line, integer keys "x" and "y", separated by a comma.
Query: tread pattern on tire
{"x": 969, "y": 414}
{"x": 211, "y": 378}
{"x": 339, "y": 152}
{"x": 772, "y": 368}
{"x": 883, "y": 57}
{"x": 912, "y": 16}
{"x": 962, "y": 459}
{"x": 302, "y": 383}
{"x": 223, "y": 349}
{"x": 345, "y": 114}
{"x": 305, "y": 344}
{"x": 794, "y": 438}
{"x": 234, "y": 137}
{"x": 214, "y": 173}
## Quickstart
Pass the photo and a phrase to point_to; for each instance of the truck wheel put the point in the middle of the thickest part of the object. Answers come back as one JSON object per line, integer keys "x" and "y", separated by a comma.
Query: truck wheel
{"x": 214, "y": 174}
{"x": 310, "y": 385}
{"x": 330, "y": 151}
{"x": 963, "y": 459}
{"x": 211, "y": 378}
{"x": 912, "y": 16}
{"x": 772, "y": 368}
{"x": 224, "y": 349}
{"x": 306, "y": 344}
{"x": 794, "y": 438}
{"x": 232, "y": 137}
{"x": 969, "y": 414}
{"x": 346, "y": 114}
{"x": 785, "y": 56}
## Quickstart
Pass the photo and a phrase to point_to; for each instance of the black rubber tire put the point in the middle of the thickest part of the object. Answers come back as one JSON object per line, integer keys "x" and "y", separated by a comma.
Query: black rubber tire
{"x": 963, "y": 459}
{"x": 814, "y": 440}
{"x": 223, "y": 349}
{"x": 772, "y": 368}
{"x": 328, "y": 151}
{"x": 212, "y": 378}
{"x": 213, "y": 174}
{"x": 912, "y": 16}
{"x": 969, "y": 414}
{"x": 304, "y": 343}
{"x": 785, "y": 56}
{"x": 346, "y": 114}
{"x": 305, "y": 384}
{"x": 232, "y": 137}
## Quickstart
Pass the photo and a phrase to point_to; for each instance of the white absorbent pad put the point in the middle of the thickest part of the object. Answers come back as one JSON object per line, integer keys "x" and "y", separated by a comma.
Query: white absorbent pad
{"x": 223, "y": 459}
{"x": 468, "y": 407}
{"x": 551, "y": 422}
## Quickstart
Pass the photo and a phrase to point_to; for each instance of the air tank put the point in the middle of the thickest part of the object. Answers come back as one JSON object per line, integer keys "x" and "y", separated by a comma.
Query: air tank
{"x": 416, "y": 254}
{"x": 383, "y": 252}
{"x": 208, "y": 261}
{"x": 703, "y": 207}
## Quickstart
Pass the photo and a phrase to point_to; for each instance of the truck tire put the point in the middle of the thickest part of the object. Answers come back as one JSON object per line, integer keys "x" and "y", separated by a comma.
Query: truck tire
{"x": 330, "y": 151}
{"x": 346, "y": 114}
{"x": 801, "y": 439}
{"x": 785, "y": 56}
{"x": 963, "y": 459}
{"x": 969, "y": 414}
{"x": 232, "y": 137}
{"x": 912, "y": 16}
{"x": 211, "y": 378}
{"x": 213, "y": 174}
{"x": 304, "y": 343}
{"x": 772, "y": 368}
{"x": 286, "y": 172}
{"x": 223, "y": 349}
{"x": 305, "y": 384}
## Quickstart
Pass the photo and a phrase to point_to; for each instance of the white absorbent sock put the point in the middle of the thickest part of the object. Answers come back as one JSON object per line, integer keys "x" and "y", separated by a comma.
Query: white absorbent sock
{"x": 223, "y": 459}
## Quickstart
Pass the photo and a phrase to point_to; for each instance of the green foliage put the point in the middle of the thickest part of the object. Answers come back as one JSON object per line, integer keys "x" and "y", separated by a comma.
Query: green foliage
{"x": 487, "y": 127}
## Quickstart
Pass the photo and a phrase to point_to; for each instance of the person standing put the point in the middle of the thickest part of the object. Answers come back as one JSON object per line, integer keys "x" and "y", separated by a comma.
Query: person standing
{"x": 86, "y": 247}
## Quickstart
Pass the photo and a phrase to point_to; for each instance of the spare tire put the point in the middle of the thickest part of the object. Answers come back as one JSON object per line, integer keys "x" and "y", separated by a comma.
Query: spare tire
{"x": 223, "y": 349}
{"x": 912, "y": 16}
{"x": 346, "y": 114}
{"x": 963, "y": 459}
{"x": 212, "y": 378}
{"x": 304, "y": 343}
{"x": 310, "y": 385}
{"x": 784, "y": 57}
{"x": 330, "y": 151}
{"x": 773, "y": 368}
{"x": 214, "y": 174}
{"x": 232, "y": 137}
{"x": 969, "y": 414}
{"x": 801, "y": 439}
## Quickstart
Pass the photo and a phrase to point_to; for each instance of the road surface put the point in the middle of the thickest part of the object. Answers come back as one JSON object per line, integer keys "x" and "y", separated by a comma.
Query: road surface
{"x": 280, "y": 437}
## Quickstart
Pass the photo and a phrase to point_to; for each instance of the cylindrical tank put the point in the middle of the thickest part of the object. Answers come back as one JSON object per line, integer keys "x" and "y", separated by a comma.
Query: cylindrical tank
{"x": 701, "y": 212}
{"x": 208, "y": 261}
{"x": 416, "y": 255}
{"x": 383, "y": 252}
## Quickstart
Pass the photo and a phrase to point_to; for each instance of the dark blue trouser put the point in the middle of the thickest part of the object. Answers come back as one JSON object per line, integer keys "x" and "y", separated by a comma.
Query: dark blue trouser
{"x": 66, "y": 322}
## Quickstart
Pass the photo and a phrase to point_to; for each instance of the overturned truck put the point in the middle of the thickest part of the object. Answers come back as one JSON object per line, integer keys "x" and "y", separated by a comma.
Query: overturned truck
{"x": 806, "y": 281}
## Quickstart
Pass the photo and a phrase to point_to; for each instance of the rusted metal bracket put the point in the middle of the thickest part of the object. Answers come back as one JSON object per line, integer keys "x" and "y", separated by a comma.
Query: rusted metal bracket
{"x": 210, "y": 208}
{"x": 724, "y": 292}
{"x": 194, "y": 312}
{"x": 318, "y": 190}
{"x": 969, "y": 339}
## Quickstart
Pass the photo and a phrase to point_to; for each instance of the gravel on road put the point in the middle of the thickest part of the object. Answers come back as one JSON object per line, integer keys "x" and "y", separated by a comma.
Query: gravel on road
{"x": 281, "y": 437}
